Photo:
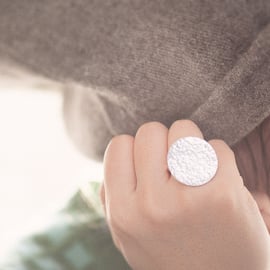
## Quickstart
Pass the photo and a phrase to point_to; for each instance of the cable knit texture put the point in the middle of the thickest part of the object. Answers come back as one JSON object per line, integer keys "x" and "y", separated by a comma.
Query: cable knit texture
{"x": 128, "y": 62}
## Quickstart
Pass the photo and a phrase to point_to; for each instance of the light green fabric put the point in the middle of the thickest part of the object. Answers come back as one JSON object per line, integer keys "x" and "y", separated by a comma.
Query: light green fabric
{"x": 78, "y": 239}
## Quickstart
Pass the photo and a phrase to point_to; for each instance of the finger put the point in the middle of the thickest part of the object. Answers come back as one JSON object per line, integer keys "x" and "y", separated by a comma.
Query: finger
{"x": 150, "y": 150}
{"x": 119, "y": 171}
{"x": 183, "y": 128}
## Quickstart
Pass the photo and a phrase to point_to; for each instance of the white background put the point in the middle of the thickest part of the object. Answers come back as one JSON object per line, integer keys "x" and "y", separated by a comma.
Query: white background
{"x": 39, "y": 166}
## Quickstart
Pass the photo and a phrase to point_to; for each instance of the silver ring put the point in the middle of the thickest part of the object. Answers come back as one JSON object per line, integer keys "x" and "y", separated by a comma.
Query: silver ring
{"x": 192, "y": 161}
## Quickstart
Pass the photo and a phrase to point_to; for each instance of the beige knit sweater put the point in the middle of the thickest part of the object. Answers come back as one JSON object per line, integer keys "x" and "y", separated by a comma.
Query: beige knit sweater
{"x": 126, "y": 62}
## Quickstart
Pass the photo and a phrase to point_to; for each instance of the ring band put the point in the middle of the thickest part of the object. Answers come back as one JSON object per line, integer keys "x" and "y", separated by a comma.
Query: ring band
{"x": 192, "y": 161}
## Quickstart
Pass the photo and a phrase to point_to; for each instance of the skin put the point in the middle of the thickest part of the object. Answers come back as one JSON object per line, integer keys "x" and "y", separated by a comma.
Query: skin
{"x": 158, "y": 223}
{"x": 252, "y": 155}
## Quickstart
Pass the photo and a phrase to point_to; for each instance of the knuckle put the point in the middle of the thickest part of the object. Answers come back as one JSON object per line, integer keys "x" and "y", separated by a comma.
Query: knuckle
{"x": 149, "y": 126}
{"x": 120, "y": 139}
{"x": 218, "y": 142}
{"x": 151, "y": 211}
{"x": 118, "y": 220}
{"x": 184, "y": 122}
{"x": 145, "y": 205}
{"x": 221, "y": 145}
{"x": 116, "y": 142}
{"x": 224, "y": 200}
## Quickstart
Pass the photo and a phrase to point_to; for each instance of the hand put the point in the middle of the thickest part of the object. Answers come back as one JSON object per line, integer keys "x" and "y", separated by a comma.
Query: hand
{"x": 159, "y": 223}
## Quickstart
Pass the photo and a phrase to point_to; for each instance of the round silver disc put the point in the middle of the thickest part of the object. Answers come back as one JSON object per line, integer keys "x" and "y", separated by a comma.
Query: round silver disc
{"x": 192, "y": 161}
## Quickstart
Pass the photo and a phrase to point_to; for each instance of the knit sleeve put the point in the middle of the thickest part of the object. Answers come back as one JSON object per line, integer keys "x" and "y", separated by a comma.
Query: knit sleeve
{"x": 125, "y": 63}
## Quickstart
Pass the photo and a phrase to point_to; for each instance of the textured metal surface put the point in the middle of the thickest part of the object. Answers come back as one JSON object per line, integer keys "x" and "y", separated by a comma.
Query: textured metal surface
{"x": 192, "y": 161}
